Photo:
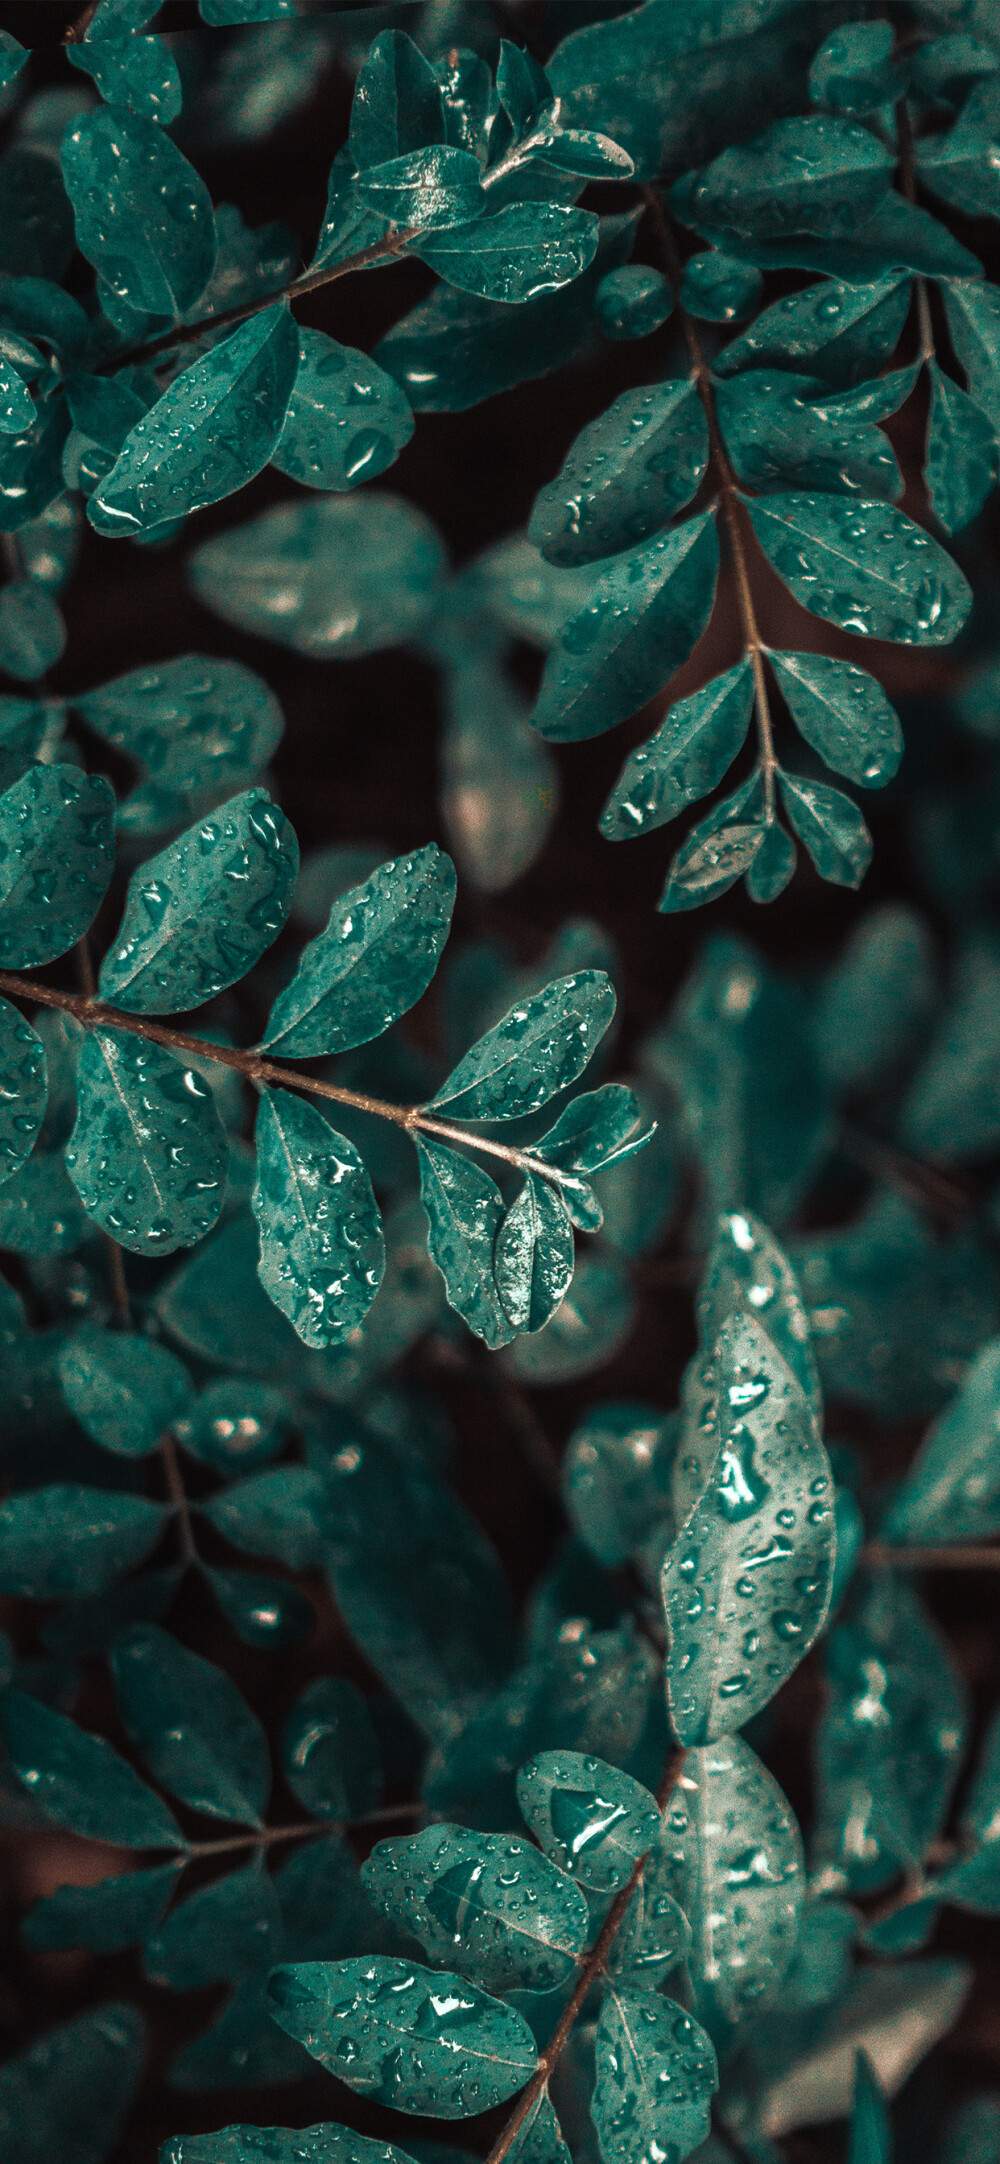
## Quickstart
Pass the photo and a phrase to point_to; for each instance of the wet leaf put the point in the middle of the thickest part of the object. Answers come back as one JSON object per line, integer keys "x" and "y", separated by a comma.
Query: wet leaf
{"x": 397, "y": 101}
{"x": 373, "y": 961}
{"x": 656, "y": 2075}
{"x": 225, "y": 1931}
{"x": 843, "y": 713}
{"x": 690, "y": 752}
{"x": 617, "y": 1480}
{"x": 538, "y": 1048}
{"x": 148, "y": 1153}
{"x": 346, "y": 419}
{"x": 960, "y": 464}
{"x": 594, "y": 1821}
{"x": 23, "y": 1089}
{"x": 831, "y": 827}
{"x": 843, "y": 330}
{"x": 191, "y": 1726}
{"x": 516, "y": 254}
{"x": 234, "y": 1424}
{"x": 972, "y": 306}
{"x": 719, "y": 849}
{"x": 143, "y": 215}
{"x": 807, "y": 174}
{"x": 272, "y": 1514}
{"x": 68, "y": 1539}
{"x": 534, "y": 1254}
{"x": 464, "y": 1210}
{"x": 124, "y": 1390}
{"x": 106, "y": 1917}
{"x": 589, "y": 1326}
{"x": 329, "y": 1752}
{"x": 322, "y": 1252}
{"x": 863, "y": 566}
{"x": 79, "y": 1781}
{"x": 56, "y": 858}
{"x": 490, "y": 1904}
{"x": 748, "y": 1274}
{"x": 196, "y": 722}
{"x": 784, "y": 430}
{"x": 625, "y": 476}
{"x": 263, "y": 1611}
{"x": 324, "y": 2144}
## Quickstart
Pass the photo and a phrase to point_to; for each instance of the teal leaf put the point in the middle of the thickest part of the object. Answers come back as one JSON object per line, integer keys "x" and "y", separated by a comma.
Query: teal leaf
{"x": 972, "y": 306}
{"x": 215, "y": 427}
{"x": 853, "y": 71}
{"x": 32, "y": 631}
{"x": 538, "y": 2140}
{"x": 215, "y": 1308}
{"x": 807, "y": 174}
{"x": 202, "y": 912}
{"x": 690, "y": 752}
{"x": 235, "y": 1424}
{"x": 719, "y": 288}
{"x": 773, "y": 865}
{"x": 500, "y": 785}
{"x": 594, "y": 1821}
{"x": 425, "y": 190}
{"x": 340, "y": 576}
{"x": 584, "y": 151}
{"x": 65, "y": 2097}
{"x": 959, "y": 166}
{"x": 600, "y": 1128}
{"x": 397, "y": 101}
{"x": 137, "y": 73}
{"x": 56, "y": 858}
{"x": 534, "y": 1254}
{"x": 960, "y": 465}
{"x": 951, "y": 1109}
{"x": 633, "y": 302}
{"x": 843, "y": 714}
{"x": 324, "y": 2144}
{"x": 79, "y": 1781}
{"x": 196, "y": 722}
{"x": 981, "y": 1813}
{"x": 869, "y": 2138}
{"x": 523, "y": 87}
{"x": 626, "y": 474}
{"x": 350, "y": 224}
{"x": 517, "y": 253}
{"x": 346, "y": 420}
{"x": 719, "y": 849}
{"x": 12, "y": 58}
{"x": 225, "y": 1931}
{"x": 831, "y": 827}
{"x": 242, "y": 2043}
{"x": 329, "y": 1751}
{"x": 656, "y": 2076}
{"x": 148, "y": 1153}
{"x": 106, "y": 1917}
{"x": 464, "y": 1210}
{"x": 877, "y": 999}
{"x": 843, "y": 329}
{"x": 748, "y": 1274}
{"x": 639, "y": 624}
{"x": 952, "y": 1489}
{"x": 265, "y": 1612}
{"x": 617, "y": 1480}
{"x": 191, "y": 1726}
{"x": 143, "y": 215}
{"x": 31, "y": 476}
{"x": 789, "y": 431}
{"x": 746, "y": 1585}
{"x": 67, "y": 1539}
{"x": 273, "y": 1514}
{"x": 422, "y": 2039}
{"x": 372, "y": 962}
{"x": 863, "y": 566}
{"x": 322, "y": 1253}
{"x": 490, "y": 1904}
{"x": 17, "y": 407}
{"x": 23, "y": 1089}
{"x": 732, "y": 1857}
{"x": 124, "y": 1390}
{"x": 589, "y": 1326}
{"x": 538, "y": 1048}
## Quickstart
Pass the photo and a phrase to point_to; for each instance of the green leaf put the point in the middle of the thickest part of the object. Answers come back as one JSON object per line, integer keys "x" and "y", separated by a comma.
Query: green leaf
{"x": 719, "y": 849}
{"x": 322, "y": 1250}
{"x": 831, "y": 827}
{"x": 534, "y": 1254}
{"x": 106, "y": 1917}
{"x": 732, "y": 1857}
{"x": 346, "y": 419}
{"x": 690, "y": 752}
{"x": 877, "y": 999}
{"x": 790, "y": 431}
{"x": 272, "y": 1514}
{"x": 656, "y": 2076}
{"x": 56, "y": 858}
{"x": 952, "y": 1490}
{"x": 262, "y": 1611}
{"x": 234, "y": 1424}
{"x": 960, "y": 465}
{"x": 191, "y": 1726}
{"x": 500, "y": 784}
{"x": 426, "y": 190}
{"x": 148, "y": 1153}
{"x": 539, "y": 2139}
{"x": 66, "y": 1539}
{"x": 959, "y": 166}
{"x": 523, "y": 87}
{"x": 31, "y": 474}
{"x": 372, "y": 963}
{"x": 594, "y": 1821}
{"x": 626, "y": 474}
{"x": 538, "y": 1048}
{"x": 143, "y": 215}
{"x": 242, "y": 2043}
{"x": 952, "y": 1109}
{"x": 79, "y": 1781}
{"x": 869, "y": 2138}
{"x": 981, "y": 1813}
{"x": 17, "y": 407}
{"x": 517, "y": 253}
{"x": 617, "y": 1479}
{"x": 972, "y": 306}
{"x": 853, "y": 71}
{"x": 329, "y": 1751}
{"x": 843, "y": 330}
{"x": 633, "y": 301}
{"x": 397, "y": 101}
{"x": 584, "y": 151}
{"x": 32, "y": 631}
{"x": 12, "y": 58}
{"x": 215, "y": 427}
{"x": 216, "y": 1309}
{"x": 489, "y": 1903}
{"x": 340, "y": 576}
{"x": 196, "y": 722}
{"x": 843, "y": 714}
{"x": 123, "y": 1389}
{"x": 421, "y": 2039}
{"x": 748, "y": 1274}
{"x": 719, "y": 288}
{"x": 465, "y": 1210}
{"x": 746, "y": 1585}
{"x": 598, "y": 1129}
{"x": 802, "y": 175}
{"x": 63, "y": 2100}
{"x": 863, "y": 566}
{"x": 589, "y": 1326}
{"x": 225, "y": 1931}
{"x": 137, "y": 73}
{"x": 281, "y": 2145}
{"x": 641, "y": 620}
{"x": 23, "y": 1089}
{"x": 202, "y": 912}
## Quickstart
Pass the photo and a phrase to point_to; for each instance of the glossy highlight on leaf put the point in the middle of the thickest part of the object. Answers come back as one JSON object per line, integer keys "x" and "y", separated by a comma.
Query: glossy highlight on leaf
{"x": 56, "y": 859}
{"x": 373, "y": 961}
{"x": 148, "y": 1153}
{"x": 656, "y": 2075}
{"x": 691, "y": 751}
{"x": 539, "y": 1047}
{"x": 490, "y": 1904}
{"x": 346, "y": 419}
{"x": 79, "y": 1781}
{"x": 626, "y": 475}
{"x": 594, "y": 1821}
{"x": 863, "y": 566}
{"x": 322, "y": 1250}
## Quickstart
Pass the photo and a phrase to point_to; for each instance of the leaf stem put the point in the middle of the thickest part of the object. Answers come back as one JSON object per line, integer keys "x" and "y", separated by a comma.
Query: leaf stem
{"x": 951, "y": 1555}
{"x": 589, "y": 1972}
{"x": 269, "y": 1835}
{"x": 178, "y": 1496}
{"x": 908, "y": 181}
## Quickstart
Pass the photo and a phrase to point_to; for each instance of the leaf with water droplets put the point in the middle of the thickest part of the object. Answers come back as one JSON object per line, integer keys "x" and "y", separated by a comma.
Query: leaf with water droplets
{"x": 202, "y": 912}
{"x": 732, "y": 1857}
{"x": 626, "y": 474}
{"x": 397, "y": 101}
{"x": 843, "y": 330}
{"x": 137, "y": 73}
{"x": 106, "y": 1917}
{"x": 330, "y": 1753}
{"x": 789, "y": 431}
{"x": 464, "y": 1210}
{"x": 960, "y": 165}
{"x": 748, "y": 1274}
{"x": 56, "y": 858}
{"x": 806, "y": 174}
{"x": 273, "y": 1514}
{"x": 17, "y": 407}
{"x": 79, "y": 1781}
{"x": 863, "y": 566}
{"x": 691, "y": 751}
{"x": 843, "y": 713}
{"x": 215, "y": 427}
{"x": 972, "y": 306}
{"x": 196, "y": 722}
{"x": 143, "y": 215}
{"x": 637, "y": 626}
{"x": 191, "y": 1726}
{"x": 67, "y": 1539}
{"x": 64, "y": 2098}
{"x": 719, "y": 849}
{"x": 373, "y": 961}
{"x": 226, "y": 1930}
{"x": 960, "y": 463}
{"x": 598, "y": 1129}
{"x": 148, "y": 1153}
{"x": 831, "y": 827}
{"x": 263, "y": 1611}
{"x": 124, "y": 1390}
{"x": 322, "y": 1251}
{"x": 489, "y": 1903}
{"x": 517, "y": 253}
{"x": 593, "y": 1820}
{"x": 656, "y": 2076}
{"x": 23, "y": 1089}
{"x": 425, "y": 190}
{"x": 746, "y": 1584}
{"x": 326, "y": 2144}
{"x": 534, "y": 1254}
{"x": 346, "y": 419}
{"x": 952, "y": 1489}
{"x": 421, "y": 2039}
{"x": 539, "y": 1047}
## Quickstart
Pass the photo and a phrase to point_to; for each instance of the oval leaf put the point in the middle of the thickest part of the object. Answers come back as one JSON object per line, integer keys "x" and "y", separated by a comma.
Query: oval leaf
{"x": 488, "y": 1902}
{"x": 372, "y": 963}
{"x": 322, "y": 1252}
{"x": 57, "y": 855}
{"x": 191, "y": 1726}
{"x": 864, "y": 566}
{"x": 148, "y": 1153}
{"x": 539, "y": 1047}
{"x": 78, "y": 1781}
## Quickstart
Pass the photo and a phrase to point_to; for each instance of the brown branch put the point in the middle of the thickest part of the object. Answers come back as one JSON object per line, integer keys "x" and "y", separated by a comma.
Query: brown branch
{"x": 590, "y": 1970}
{"x": 950, "y": 1555}
{"x": 268, "y": 1835}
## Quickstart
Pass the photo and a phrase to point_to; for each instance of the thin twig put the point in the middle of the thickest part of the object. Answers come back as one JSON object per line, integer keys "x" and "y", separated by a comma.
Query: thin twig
{"x": 119, "y": 1283}
{"x": 908, "y": 183}
{"x": 178, "y": 1496}
{"x": 269, "y": 1835}
{"x": 888, "y": 1162}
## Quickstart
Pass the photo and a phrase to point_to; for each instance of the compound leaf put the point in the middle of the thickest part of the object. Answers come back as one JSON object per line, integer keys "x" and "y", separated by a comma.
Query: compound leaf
{"x": 191, "y": 1726}
{"x": 322, "y": 1253}
{"x": 372, "y": 963}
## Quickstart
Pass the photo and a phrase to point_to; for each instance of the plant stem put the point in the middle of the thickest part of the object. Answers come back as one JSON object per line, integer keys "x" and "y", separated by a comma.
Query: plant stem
{"x": 590, "y": 1970}
{"x": 729, "y": 497}
{"x": 952, "y": 1555}
{"x": 178, "y": 1496}
{"x": 98, "y": 1014}
{"x": 268, "y": 1835}
{"x": 908, "y": 181}
{"x": 931, "y": 1187}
